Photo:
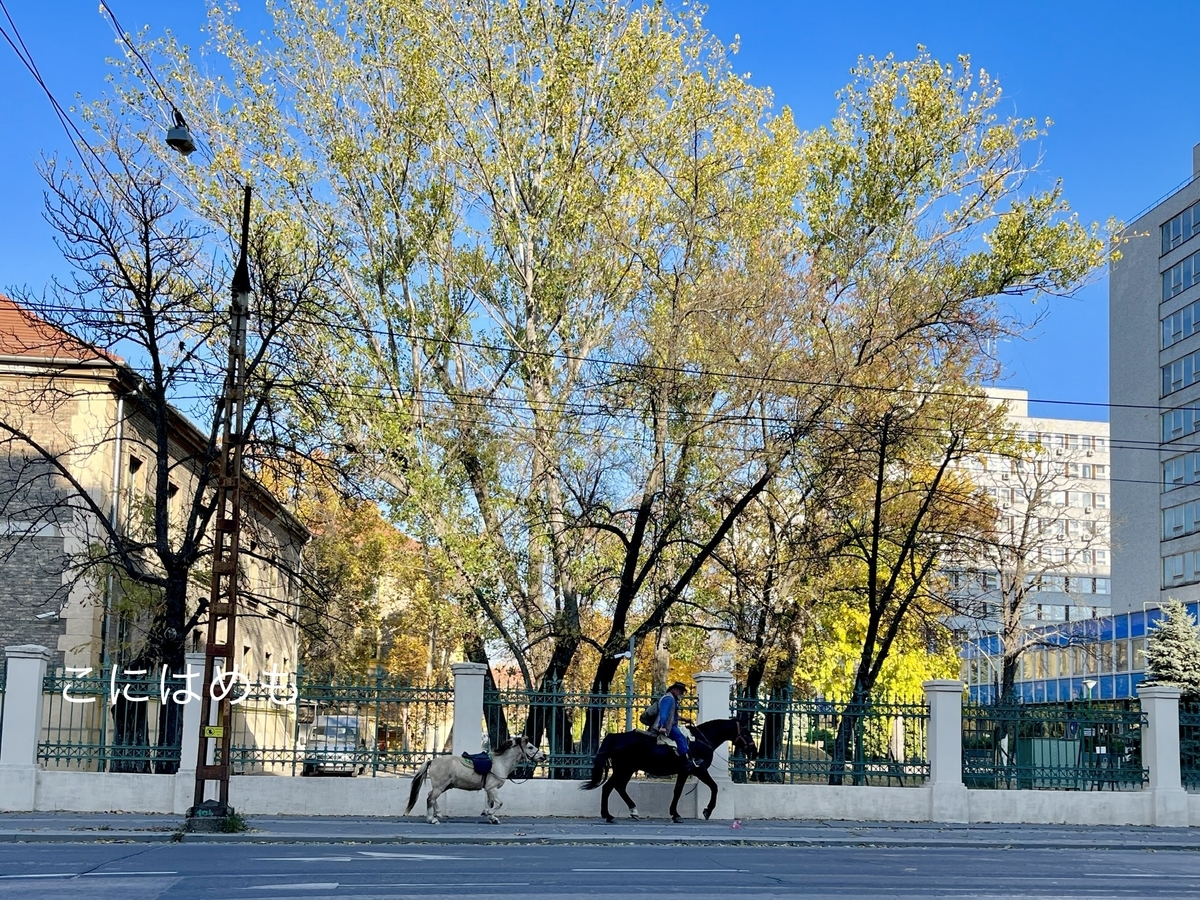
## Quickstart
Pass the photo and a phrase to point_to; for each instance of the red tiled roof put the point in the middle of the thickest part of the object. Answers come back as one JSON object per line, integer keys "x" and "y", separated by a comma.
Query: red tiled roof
{"x": 24, "y": 334}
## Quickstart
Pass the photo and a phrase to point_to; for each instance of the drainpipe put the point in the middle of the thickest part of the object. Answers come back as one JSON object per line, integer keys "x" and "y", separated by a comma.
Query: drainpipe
{"x": 113, "y": 519}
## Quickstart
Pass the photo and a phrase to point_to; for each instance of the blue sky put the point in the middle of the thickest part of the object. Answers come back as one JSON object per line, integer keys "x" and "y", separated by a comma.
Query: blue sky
{"x": 1120, "y": 82}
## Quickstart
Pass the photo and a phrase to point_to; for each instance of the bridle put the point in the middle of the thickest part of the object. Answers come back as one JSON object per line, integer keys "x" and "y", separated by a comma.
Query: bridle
{"x": 744, "y": 742}
{"x": 526, "y": 744}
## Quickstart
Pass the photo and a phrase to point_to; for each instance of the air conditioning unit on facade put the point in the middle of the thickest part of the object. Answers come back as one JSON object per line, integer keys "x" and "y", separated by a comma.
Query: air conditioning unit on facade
{"x": 1087, "y": 510}
{"x": 1089, "y": 453}
{"x": 1058, "y": 453}
{"x": 1004, "y": 478}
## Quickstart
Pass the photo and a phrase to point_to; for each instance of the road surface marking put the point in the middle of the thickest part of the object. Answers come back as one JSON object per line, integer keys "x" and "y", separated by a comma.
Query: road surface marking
{"x": 656, "y": 869}
{"x": 475, "y": 884}
{"x": 123, "y": 874}
{"x": 381, "y": 855}
{"x": 1135, "y": 875}
{"x": 312, "y": 886}
{"x": 303, "y": 858}
{"x": 48, "y": 875}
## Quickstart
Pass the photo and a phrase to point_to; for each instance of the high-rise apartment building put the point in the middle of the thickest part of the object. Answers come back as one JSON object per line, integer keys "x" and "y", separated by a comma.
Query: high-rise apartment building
{"x": 1047, "y": 569}
{"x": 1154, "y": 323}
{"x": 1053, "y": 508}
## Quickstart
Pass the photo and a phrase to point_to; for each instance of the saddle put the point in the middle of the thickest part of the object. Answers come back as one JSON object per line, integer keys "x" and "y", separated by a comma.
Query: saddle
{"x": 665, "y": 740}
{"x": 480, "y": 762}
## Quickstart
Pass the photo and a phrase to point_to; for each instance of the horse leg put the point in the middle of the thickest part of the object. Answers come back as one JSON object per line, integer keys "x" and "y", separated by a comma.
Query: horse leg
{"x": 703, "y": 775}
{"x": 604, "y": 794}
{"x": 679, "y": 783}
{"x": 493, "y": 805}
{"x": 621, "y": 786}
{"x": 431, "y": 810}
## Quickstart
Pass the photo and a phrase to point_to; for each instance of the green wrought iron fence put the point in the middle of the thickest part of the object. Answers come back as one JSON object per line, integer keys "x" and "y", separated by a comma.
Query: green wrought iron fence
{"x": 355, "y": 726}
{"x": 568, "y": 725}
{"x": 1087, "y": 746}
{"x": 95, "y": 722}
{"x": 105, "y": 721}
{"x": 805, "y": 740}
{"x": 1189, "y": 745}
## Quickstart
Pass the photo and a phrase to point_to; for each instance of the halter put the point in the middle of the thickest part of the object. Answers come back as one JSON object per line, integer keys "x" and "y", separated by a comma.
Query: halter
{"x": 741, "y": 743}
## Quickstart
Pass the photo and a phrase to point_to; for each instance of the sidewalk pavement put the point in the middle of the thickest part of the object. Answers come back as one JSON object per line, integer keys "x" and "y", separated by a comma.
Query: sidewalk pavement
{"x": 131, "y": 827}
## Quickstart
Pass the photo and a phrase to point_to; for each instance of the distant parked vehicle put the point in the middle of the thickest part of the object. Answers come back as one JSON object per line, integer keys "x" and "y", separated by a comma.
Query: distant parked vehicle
{"x": 339, "y": 745}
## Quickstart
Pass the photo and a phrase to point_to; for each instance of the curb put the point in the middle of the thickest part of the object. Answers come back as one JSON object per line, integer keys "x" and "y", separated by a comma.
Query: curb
{"x": 138, "y": 837}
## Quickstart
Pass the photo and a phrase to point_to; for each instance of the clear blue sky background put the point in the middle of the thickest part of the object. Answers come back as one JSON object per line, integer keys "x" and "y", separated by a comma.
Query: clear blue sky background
{"x": 1119, "y": 80}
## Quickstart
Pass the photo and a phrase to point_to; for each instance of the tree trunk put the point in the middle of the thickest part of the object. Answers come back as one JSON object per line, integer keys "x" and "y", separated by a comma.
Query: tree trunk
{"x": 660, "y": 670}
{"x": 769, "y": 767}
{"x": 847, "y": 747}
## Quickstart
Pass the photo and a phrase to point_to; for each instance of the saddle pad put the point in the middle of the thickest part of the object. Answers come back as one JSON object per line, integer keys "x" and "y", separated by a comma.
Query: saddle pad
{"x": 480, "y": 762}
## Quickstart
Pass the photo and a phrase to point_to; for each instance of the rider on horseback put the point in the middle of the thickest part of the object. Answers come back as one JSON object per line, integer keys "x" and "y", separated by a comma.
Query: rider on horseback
{"x": 668, "y": 720}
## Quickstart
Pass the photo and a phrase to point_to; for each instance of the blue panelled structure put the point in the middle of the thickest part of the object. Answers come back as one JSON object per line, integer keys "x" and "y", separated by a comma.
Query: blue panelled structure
{"x": 1096, "y": 659}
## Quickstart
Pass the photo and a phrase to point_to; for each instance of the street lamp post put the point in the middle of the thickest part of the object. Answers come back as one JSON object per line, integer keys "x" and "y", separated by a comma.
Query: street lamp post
{"x": 628, "y": 654}
{"x": 216, "y": 729}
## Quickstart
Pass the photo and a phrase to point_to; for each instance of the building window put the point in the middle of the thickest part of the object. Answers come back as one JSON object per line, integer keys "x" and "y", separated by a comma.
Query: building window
{"x": 1180, "y": 325}
{"x": 1180, "y": 276}
{"x": 1180, "y": 568}
{"x": 1177, "y": 423}
{"x": 1181, "y": 228}
{"x": 1179, "y": 374}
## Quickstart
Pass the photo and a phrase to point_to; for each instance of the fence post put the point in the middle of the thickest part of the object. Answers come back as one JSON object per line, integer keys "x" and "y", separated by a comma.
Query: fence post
{"x": 948, "y": 801}
{"x": 22, "y": 725}
{"x": 189, "y": 747}
{"x": 712, "y": 702}
{"x": 1160, "y": 754}
{"x": 467, "y": 736}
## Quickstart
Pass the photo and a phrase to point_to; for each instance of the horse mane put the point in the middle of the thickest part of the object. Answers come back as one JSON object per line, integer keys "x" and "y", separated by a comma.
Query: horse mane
{"x": 507, "y": 745}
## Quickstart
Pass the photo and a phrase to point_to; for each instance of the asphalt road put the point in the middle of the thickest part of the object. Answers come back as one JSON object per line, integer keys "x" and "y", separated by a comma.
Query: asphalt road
{"x": 147, "y": 872}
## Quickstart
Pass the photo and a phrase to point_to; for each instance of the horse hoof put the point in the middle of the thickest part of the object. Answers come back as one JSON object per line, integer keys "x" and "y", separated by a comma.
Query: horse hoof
{"x": 635, "y": 817}
{"x": 435, "y": 821}
{"x": 609, "y": 819}
{"x": 707, "y": 813}
{"x": 676, "y": 819}
{"x": 493, "y": 820}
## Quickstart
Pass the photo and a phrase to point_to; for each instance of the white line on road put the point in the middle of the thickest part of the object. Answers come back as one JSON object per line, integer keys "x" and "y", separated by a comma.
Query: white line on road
{"x": 609, "y": 869}
{"x": 381, "y": 855}
{"x": 47, "y": 875}
{"x": 303, "y": 858}
{"x": 123, "y": 874}
{"x": 313, "y": 886}
{"x": 1135, "y": 875}
{"x": 91, "y": 875}
{"x": 475, "y": 884}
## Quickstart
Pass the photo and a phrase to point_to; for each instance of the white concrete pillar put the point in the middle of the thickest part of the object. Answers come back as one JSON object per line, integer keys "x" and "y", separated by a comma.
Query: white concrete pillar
{"x": 185, "y": 778}
{"x": 1160, "y": 753}
{"x": 22, "y": 725}
{"x": 712, "y": 698}
{"x": 948, "y": 796}
{"x": 712, "y": 702}
{"x": 468, "y": 707}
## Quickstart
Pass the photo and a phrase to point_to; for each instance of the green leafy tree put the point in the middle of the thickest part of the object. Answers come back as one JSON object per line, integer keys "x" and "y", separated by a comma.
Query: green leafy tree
{"x": 596, "y": 296}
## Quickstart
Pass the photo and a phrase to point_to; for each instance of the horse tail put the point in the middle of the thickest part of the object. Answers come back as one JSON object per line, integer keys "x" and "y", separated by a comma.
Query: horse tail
{"x": 599, "y": 766}
{"x": 416, "y": 786}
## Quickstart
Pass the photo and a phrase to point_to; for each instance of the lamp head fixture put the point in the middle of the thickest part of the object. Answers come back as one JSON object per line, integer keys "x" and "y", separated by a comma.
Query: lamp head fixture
{"x": 178, "y": 136}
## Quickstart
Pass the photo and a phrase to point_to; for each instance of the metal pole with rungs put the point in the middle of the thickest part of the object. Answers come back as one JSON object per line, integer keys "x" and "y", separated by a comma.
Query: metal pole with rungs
{"x": 216, "y": 730}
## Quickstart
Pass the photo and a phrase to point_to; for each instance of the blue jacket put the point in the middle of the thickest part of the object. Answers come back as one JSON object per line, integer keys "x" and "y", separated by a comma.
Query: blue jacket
{"x": 668, "y": 711}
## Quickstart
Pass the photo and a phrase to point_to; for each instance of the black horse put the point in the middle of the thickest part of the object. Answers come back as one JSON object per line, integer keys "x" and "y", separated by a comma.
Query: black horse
{"x": 638, "y": 751}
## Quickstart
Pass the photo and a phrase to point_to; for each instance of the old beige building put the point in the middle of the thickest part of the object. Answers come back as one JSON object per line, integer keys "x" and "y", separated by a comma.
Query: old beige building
{"x": 77, "y": 446}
